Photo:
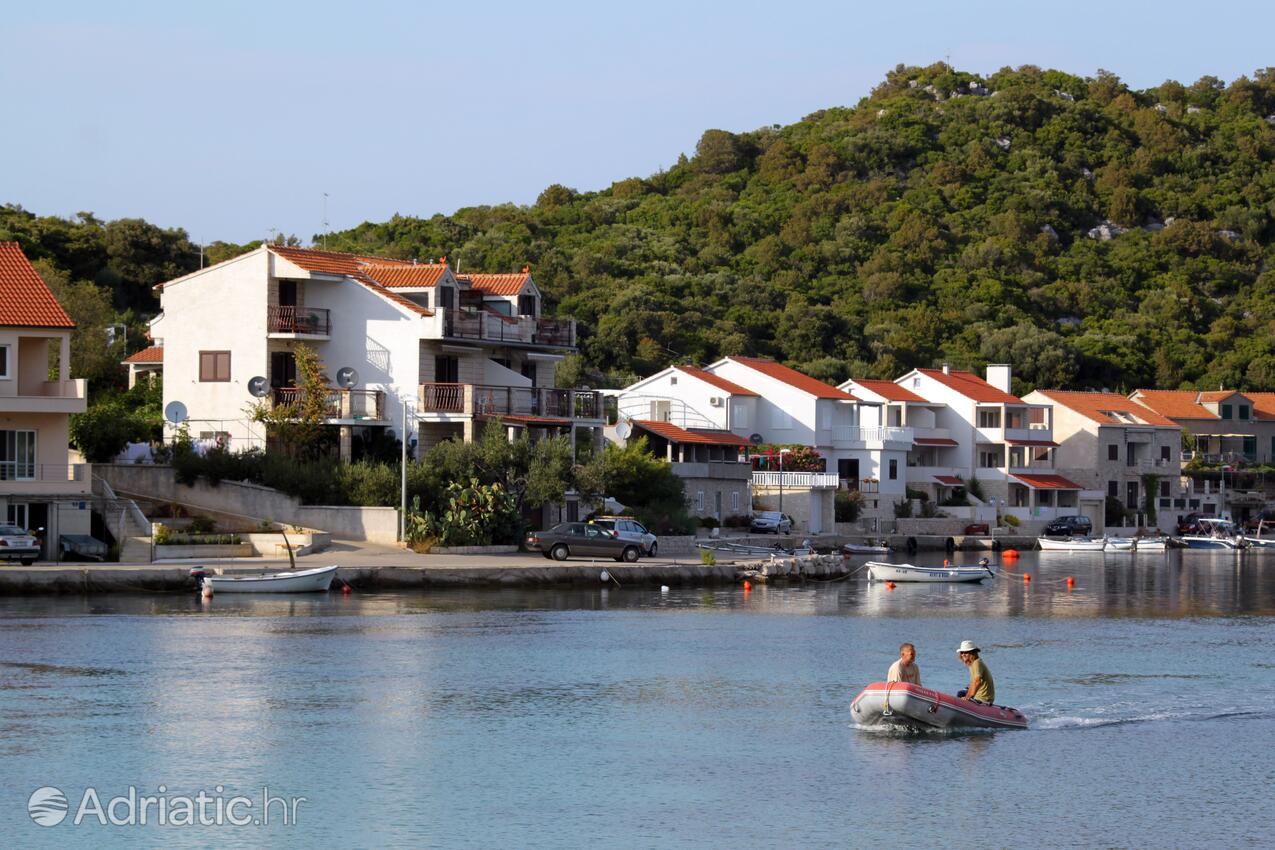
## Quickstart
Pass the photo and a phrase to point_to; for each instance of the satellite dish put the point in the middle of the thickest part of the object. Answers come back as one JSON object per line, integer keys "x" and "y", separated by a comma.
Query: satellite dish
{"x": 755, "y": 439}
{"x": 347, "y": 378}
{"x": 623, "y": 428}
{"x": 175, "y": 412}
{"x": 258, "y": 388}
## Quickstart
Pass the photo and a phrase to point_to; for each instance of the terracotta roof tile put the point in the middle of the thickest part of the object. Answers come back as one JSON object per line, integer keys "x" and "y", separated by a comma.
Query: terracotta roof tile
{"x": 716, "y": 380}
{"x": 1174, "y": 404}
{"x": 498, "y": 284}
{"x": 793, "y": 378}
{"x": 949, "y": 480}
{"x": 154, "y": 354}
{"x": 1099, "y": 407}
{"x": 25, "y": 299}
{"x": 888, "y": 390}
{"x": 1047, "y": 482}
{"x": 971, "y": 386}
{"x": 1263, "y": 405}
{"x": 390, "y": 295}
{"x": 406, "y": 276}
{"x": 705, "y": 436}
{"x": 331, "y": 262}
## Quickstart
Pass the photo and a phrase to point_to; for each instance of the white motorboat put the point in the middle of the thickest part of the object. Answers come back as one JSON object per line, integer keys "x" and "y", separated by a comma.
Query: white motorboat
{"x": 866, "y": 548}
{"x": 1071, "y": 544}
{"x": 1135, "y": 544}
{"x": 881, "y": 571}
{"x": 1215, "y": 534}
{"x": 1260, "y": 543}
{"x": 912, "y": 706}
{"x": 317, "y": 580}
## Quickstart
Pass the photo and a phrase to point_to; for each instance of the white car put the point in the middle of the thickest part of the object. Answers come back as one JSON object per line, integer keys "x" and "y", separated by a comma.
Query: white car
{"x": 627, "y": 528}
{"x": 17, "y": 545}
{"x": 770, "y": 522}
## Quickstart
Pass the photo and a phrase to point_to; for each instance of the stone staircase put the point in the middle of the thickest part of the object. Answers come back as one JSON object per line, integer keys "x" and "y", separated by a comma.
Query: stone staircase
{"x": 126, "y": 522}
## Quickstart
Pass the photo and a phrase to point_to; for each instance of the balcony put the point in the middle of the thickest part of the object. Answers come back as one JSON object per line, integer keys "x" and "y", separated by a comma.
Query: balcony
{"x": 795, "y": 480}
{"x": 298, "y": 322}
{"x": 343, "y": 405}
{"x": 20, "y": 477}
{"x": 68, "y": 396}
{"x": 441, "y": 400}
{"x": 870, "y": 438}
{"x": 492, "y": 327}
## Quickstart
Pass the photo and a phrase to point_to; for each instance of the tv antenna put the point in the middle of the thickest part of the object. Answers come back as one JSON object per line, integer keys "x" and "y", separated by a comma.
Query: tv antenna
{"x": 325, "y": 221}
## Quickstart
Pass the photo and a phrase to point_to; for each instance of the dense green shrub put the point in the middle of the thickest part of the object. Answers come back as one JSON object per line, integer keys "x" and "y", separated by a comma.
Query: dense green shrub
{"x": 847, "y": 505}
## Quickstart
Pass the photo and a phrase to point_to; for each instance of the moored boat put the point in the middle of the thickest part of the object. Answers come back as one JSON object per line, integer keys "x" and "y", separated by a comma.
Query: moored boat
{"x": 745, "y": 550}
{"x": 317, "y": 580}
{"x": 881, "y": 571}
{"x": 1136, "y": 544}
{"x": 1071, "y": 544}
{"x": 1215, "y": 534}
{"x": 916, "y": 707}
{"x": 866, "y": 548}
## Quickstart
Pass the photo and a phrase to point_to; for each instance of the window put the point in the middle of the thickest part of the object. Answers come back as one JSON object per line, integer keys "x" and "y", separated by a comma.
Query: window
{"x": 1250, "y": 448}
{"x": 446, "y": 369}
{"x": 1166, "y": 453}
{"x": 699, "y": 500}
{"x": 1226, "y": 411}
{"x": 672, "y": 380}
{"x": 1164, "y": 489}
{"x": 526, "y": 305}
{"x": 1113, "y": 452}
{"x": 17, "y": 514}
{"x": 990, "y": 459}
{"x": 1243, "y": 411}
{"x": 446, "y": 297}
{"x": 739, "y": 416}
{"x": 528, "y": 371}
{"x": 734, "y": 502}
{"x": 1113, "y": 489}
{"x": 894, "y": 470}
{"x": 214, "y": 366}
{"x": 287, "y": 293}
{"x": 17, "y": 455}
{"x": 989, "y": 418}
{"x": 4, "y": 362}
{"x": 1131, "y": 495}
{"x": 825, "y": 415}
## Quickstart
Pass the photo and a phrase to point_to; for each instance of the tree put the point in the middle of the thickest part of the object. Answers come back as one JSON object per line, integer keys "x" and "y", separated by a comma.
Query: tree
{"x": 89, "y": 306}
{"x": 297, "y": 421}
{"x": 643, "y": 483}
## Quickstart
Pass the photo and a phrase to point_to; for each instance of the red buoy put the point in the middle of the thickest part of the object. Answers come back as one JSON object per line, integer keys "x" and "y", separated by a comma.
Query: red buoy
{"x": 748, "y": 585}
{"x": 889, "y": 585}
{"x": 1027, "y": 576}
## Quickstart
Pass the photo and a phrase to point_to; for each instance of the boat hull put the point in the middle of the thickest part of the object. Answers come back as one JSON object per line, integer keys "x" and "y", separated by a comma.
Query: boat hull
{"x": 1051, "y": 544}
{"x": 879, "y": 571}
{"x": 302, "y": 581}
{"x": 912, "y": 706}
{"x": 861, "y": 549}
{"x": 1133, "y": 544}
{"x": 1215, "y": 543}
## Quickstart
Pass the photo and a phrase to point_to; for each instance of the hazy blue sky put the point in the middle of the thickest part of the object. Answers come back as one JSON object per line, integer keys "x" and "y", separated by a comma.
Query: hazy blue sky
{"x": 231, "y": 118}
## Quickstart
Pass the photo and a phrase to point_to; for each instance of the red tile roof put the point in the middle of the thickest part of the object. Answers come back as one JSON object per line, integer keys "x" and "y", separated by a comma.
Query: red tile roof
{"x": 1216, "y": 395}
{"x": 971, "y": 386}
{"x": 949, "y": 480}
{"x": 396, "y": 275}
{"x": 1263, "y": 405}
{"x": 705, "y": 436}
{"x": 154, "y": 354}
{"x": 25, "y": 299}
{"x": 1049, "y": 443}
{"x": 888, "y": 390}
{"x": 1175, "y": 404}
{"x": 391, "y": 295}
{"x": 331, "y": 262}
{"x": 1047, "y": 482}
{"x": 1099, "y": 407}
{"x": 935, "y": 441}
{"x": 716, "y": 380}
{"x": 498, "y": 284}
{"x": 793, "y": 378}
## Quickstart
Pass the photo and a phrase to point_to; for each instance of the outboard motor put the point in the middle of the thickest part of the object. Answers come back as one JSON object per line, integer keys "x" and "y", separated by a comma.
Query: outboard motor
{"x": 198, "y": 573}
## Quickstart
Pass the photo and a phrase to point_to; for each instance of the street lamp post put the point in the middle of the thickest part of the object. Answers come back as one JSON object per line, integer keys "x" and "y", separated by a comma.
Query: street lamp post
{"x": 408, "y": 401}
{"x": 782, "y": 452}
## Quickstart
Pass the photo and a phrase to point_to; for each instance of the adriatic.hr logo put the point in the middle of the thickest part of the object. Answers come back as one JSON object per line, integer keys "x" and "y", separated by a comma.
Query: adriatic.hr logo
{"x": 47, "y": 806}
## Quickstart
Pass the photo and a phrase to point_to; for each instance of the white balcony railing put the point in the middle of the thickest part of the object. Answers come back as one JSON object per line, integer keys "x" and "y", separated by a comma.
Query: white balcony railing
{"x": 813, "y": 480}
{"x": 872, "y": 435}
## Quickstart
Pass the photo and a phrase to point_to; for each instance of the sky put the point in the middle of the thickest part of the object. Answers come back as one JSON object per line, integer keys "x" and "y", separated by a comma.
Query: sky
{"x": 232, "y": 119}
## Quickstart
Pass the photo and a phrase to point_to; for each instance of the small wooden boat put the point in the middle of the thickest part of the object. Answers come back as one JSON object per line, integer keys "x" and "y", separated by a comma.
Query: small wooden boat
{"x": 881, "y": 571}
{"x": 1135, "y": 544}
{"x": 915, "y": 707}
{"x": 866, "y": 548}
{"x": 317, "y": 580}
{"x": 744, "y": 550}
{"x": 1071, "y": 544}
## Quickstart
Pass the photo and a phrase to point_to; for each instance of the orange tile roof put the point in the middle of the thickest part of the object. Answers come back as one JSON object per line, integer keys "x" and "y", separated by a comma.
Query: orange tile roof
{"x": 1099, "y": 406}
{"x": 391, "y": 295}
{"x": 396, "y": 275}
{"x": 793, "y": 378}
{"x": 1216, "y": 395}
{"x": 716, "y": 380}
{"x": 888, "y": 390}
{"x": 1175, "y": 404}
{"x": 949, "y": 480}
{"x": 1047, "y": 482}
{"x": 154, "y": 354}
{"x": 971, "y": 386}
{"x": 331, "y": 262}
{"x": 498, "y": 284}
{"x": 1263, "y": 405}
{"x": 706, "y": 436}
{"x": 25, "y": 299}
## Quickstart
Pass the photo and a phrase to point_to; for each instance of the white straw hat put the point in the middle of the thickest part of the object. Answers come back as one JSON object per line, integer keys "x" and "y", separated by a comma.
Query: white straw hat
{"x": 967, "y": 646}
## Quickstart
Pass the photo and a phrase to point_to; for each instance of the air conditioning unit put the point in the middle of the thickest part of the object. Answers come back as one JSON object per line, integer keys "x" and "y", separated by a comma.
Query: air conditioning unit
{"x": 715, "y": 401}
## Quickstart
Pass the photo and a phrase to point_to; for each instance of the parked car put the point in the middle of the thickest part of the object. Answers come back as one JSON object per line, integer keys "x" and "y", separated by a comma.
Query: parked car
{"x": 18, "y": 545}
{"x": 1070, "y": 526}
{"x": 627, "y": 528}
{"x": 770, "y": 522}
{"x": 581, "y": 539}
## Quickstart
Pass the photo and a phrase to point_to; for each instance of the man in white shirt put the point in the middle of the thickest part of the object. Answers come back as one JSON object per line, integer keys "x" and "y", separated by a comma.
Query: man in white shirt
{"x": 905, "y": 669}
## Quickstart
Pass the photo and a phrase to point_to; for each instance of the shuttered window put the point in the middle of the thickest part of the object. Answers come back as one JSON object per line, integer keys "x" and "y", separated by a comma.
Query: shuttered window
{"x": 214, "y": 366}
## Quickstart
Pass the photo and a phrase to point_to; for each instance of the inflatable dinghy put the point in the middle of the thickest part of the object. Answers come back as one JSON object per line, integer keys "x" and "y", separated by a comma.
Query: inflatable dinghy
{"x": 903, "y": 704}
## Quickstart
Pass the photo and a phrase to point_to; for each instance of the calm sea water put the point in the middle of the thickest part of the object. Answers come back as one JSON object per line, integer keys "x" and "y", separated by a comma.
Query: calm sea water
{"x": 628, "y": 718}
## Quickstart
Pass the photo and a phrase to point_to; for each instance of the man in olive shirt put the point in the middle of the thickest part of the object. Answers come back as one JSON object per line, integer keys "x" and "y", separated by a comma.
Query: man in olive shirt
{"x": 905, "y": 669}
{"x": 982, "y": 688}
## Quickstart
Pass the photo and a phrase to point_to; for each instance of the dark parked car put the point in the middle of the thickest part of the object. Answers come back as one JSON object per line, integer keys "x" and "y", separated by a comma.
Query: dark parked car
{"x": 1070, "y": 526}
{"x": 581, "y": 539}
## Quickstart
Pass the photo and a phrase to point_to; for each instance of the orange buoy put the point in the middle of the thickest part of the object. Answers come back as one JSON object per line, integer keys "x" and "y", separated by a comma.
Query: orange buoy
{"x": 1027, "y": 576}
{"x": 889, "y": 585}
{"x": 1071, "y": 582}
{"x": 347, "y": 589}
{"x": 1010, "y": 554}
{"x": 748, "y": 585}
{"x": 946, "y": 562}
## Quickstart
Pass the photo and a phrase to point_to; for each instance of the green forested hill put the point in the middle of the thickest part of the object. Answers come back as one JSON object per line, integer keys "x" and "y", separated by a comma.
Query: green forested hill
{"x": 1090, "y": 234}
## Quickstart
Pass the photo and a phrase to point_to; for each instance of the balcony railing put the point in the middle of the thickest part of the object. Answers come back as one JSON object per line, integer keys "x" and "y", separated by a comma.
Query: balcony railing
{"x": 339, "y": 403}
{"x": 873, "y": 435}
{"x": 314, "y": 321}
{"x": 480, "y": 324}
{"x": 485, "y": 400}
{"x": 817, "y": 480}
{"x": 16, "y": 470}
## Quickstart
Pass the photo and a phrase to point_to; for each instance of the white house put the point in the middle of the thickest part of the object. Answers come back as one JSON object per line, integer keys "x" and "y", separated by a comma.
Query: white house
{"x": 1113, "y": 444}
{"x": 40, "y": 486}
{"x": 409, "y": 347}
{"x": 1002, "y": 440}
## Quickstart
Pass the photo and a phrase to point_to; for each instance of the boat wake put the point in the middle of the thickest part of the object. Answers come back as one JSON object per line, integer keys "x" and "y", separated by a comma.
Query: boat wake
{"x": 1079, "y": 722}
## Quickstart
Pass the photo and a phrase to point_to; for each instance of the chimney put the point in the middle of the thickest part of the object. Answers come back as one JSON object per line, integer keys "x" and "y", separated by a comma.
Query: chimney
{"x": 999, "y": 375}
{"x": 947, "y": 369}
